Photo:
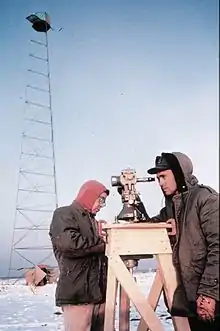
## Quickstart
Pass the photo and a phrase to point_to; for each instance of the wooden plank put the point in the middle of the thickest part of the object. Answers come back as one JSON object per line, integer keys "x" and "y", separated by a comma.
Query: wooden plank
{"x": 134, "y": 226}
{"x": 124, "y": 310}
{"x": 168, "y": 274}
{"x": 111, "y": 293}
{"x": 151, "y": 241}
{"x": 153, "y": 298}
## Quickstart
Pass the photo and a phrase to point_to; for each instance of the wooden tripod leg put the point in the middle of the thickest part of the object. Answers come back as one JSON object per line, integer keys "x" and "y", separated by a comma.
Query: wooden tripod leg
{"x": 124, "y": 307}
{"x": 168, "y": 275}
{"x": 153, "y": 298}
{"x": 111, "y": 293}
{"x": 124, "y": 310}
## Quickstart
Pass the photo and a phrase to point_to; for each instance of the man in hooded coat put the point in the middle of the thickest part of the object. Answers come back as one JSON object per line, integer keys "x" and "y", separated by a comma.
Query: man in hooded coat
{"x": 195, "y": 210}
{"x": 80, "y": 252}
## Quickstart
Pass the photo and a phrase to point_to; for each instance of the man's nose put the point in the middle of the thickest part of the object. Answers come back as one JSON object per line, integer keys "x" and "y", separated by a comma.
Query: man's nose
{"x": 161, "y": 183}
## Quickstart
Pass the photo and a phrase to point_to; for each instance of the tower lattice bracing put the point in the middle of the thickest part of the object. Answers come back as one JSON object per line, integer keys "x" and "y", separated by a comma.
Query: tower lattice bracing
{"x": 37, "y": 192}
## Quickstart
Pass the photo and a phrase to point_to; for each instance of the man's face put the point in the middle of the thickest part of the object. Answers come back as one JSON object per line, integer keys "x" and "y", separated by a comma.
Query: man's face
{"x": 99, "y": 203}
{"x": 167, "y": 182}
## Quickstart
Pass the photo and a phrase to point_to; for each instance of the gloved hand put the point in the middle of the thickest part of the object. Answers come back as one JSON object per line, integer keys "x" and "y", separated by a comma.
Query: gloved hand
{"x": 102, "y": 233}
{"x": 206, "y": 307}
{"x": 172, "y": 221}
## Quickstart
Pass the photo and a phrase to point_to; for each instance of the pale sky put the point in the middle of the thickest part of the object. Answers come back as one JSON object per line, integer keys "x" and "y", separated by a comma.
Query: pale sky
{"x": 130, "y": 79}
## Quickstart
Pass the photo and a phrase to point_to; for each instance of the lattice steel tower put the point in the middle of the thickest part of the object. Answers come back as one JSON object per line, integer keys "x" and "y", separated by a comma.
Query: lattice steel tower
{"x": 37, "y": 191}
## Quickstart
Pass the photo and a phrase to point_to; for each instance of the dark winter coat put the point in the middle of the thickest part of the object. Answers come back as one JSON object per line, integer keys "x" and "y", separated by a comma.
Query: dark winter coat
{"x": 196, "y": 248}
{"x": 80, "y": 253}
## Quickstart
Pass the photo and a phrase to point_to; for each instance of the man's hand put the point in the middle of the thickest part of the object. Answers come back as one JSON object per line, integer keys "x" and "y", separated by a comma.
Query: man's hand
{"x": 172, "y": 221}
{"x": 206, "y": 307}
{"x": 102, "y": 233}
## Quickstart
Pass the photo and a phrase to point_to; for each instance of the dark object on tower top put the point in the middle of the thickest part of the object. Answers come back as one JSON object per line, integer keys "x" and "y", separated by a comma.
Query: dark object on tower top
{"x": 40, "y": 21}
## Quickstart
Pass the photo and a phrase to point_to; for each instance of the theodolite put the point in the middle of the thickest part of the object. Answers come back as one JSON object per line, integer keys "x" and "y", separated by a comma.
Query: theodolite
{"x": 133, "y": 209}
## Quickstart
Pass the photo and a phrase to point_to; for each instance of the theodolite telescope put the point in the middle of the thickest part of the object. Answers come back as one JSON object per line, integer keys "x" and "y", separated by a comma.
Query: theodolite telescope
{"x": 133, "y": 209}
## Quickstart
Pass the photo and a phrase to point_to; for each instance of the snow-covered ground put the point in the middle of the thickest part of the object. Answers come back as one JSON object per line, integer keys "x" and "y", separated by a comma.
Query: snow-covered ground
{"x": 22, "y": 310}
